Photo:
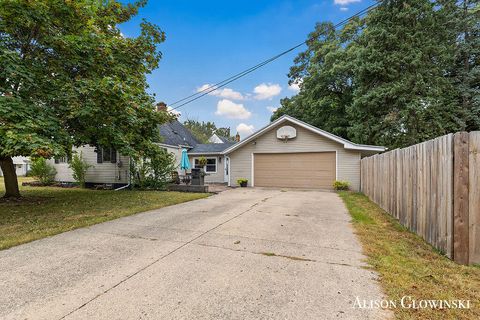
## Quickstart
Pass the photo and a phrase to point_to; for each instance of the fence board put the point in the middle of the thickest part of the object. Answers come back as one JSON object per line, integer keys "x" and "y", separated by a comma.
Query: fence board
{"x": 460, "y": 193}
{"x": 474, "y": 197}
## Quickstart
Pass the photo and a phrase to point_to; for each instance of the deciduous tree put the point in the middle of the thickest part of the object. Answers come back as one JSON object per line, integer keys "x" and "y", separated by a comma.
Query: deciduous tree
{"x": 69, "y": 77}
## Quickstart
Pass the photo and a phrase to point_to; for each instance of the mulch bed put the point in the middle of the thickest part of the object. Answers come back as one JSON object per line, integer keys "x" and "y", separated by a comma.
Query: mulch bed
{"x": 58, "y": 185}
{"x": 24, "y": 200}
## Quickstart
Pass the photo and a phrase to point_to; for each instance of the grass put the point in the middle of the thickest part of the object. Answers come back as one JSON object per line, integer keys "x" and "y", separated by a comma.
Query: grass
{"x": 47, "y": 211}
{"x": 408, "y": 266}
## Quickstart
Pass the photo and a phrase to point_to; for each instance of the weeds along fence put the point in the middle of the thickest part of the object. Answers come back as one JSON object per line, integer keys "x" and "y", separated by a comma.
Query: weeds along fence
{"x": 432, "y": 188}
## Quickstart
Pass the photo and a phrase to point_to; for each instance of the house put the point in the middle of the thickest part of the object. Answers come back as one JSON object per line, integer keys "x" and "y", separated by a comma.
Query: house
{"x": 108, "y": 166}
{"x": 286, "y": 153}
{"x": 22, "y": 166}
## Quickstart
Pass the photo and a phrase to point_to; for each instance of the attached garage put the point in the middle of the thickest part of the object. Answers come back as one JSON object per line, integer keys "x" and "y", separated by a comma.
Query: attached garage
{"x": 295, "y": 170}
{"x": 291, "y": 153}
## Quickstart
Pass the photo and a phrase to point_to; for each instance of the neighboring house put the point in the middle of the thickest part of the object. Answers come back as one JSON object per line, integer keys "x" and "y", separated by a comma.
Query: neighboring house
{"x": 285, "y": 153}
{"x": 22, "y": 166}
{"x": 219, "y": 139}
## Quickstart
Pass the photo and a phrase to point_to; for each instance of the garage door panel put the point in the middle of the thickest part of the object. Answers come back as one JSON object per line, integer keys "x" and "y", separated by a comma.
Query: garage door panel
{"x": 298, "y": 170}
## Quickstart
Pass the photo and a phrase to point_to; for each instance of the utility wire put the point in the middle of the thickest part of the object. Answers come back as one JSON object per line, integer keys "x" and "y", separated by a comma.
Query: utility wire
{"x": 224, "y": 82}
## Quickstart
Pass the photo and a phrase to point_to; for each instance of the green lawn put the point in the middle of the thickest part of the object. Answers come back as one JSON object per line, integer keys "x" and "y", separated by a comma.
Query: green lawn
{"x": 408, "y": 266}
{"x": 47, "y": 211}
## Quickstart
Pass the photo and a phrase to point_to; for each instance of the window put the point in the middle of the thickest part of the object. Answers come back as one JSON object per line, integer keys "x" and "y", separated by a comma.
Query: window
{"x": 106, "y": 155}
{"x": 210, "y": 167}
{"x": 62, "y": 160}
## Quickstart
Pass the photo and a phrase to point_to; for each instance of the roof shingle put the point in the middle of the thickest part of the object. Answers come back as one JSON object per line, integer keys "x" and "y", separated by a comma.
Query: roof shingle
{"x": 175, "y": 134}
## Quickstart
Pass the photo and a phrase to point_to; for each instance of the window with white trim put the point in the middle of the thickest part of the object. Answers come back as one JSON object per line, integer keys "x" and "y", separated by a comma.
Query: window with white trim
{"x": 210, "y": 167}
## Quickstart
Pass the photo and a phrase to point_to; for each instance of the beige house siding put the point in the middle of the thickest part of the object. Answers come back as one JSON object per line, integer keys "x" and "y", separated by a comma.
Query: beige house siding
{"x": 348, "y": 161}
{"x": 106, "y": 172}
{"x": 217, "y": 177}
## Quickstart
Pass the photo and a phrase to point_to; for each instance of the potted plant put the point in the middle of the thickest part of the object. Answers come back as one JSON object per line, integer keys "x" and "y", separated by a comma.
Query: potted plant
{"x": 202, "y": 162}
{"x": 242, "y": 182}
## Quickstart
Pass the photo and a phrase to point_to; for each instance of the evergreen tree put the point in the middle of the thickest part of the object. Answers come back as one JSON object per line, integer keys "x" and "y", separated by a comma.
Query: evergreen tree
{"x": 466, "y": 69}
{"x": 402, "y": 95}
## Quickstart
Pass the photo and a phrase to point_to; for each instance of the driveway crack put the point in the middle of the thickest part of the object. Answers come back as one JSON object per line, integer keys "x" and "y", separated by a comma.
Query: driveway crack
{"x": 271, "y": 254}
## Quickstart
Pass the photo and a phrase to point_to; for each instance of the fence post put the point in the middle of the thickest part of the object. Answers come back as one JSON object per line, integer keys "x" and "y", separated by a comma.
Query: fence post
{"x": 460, "y": 197}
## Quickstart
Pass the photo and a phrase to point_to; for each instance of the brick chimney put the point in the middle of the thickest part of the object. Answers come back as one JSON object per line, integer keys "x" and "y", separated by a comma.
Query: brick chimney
{"x": 161, "y": 106}
{"x": 237, "y": 137}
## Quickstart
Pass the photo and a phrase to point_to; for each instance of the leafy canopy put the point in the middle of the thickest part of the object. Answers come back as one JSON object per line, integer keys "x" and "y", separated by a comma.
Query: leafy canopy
{"x": 204, "y": 130}
{"x": 406, "y": 72}
{"x": 70, "y": 78}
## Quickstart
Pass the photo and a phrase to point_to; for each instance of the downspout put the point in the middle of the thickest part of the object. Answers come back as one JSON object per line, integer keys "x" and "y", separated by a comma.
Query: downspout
{"x": 129, "y": 177}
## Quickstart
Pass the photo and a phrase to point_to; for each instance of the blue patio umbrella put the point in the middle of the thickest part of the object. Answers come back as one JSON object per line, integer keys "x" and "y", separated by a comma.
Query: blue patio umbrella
{"x": 184, "y": 163}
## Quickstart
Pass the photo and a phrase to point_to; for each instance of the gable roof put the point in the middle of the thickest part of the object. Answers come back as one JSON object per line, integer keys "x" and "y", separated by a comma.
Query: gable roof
{"x": 215, "y": 138}
{"x": 286, "y": 118}
{"x": 225, "y": 139}
{"x": 175, "y": 134}
{"x": 210, "y": 148}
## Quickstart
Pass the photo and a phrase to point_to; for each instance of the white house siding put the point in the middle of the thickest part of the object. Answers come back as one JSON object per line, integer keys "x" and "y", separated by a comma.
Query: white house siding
{"x": 348, "y": 161}
{"x": 217, "y": 177}
{"x": 106, "y": 172}
{"x": 22, "y": 166}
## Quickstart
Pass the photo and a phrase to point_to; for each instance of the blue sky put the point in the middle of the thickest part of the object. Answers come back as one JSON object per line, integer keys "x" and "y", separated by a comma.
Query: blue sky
{"x": 208, "y": 41}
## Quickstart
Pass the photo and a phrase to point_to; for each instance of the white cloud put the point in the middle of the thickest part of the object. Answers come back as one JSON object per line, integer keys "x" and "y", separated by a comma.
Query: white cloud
{"x": 345, "y": 2}
{"x": 174, "y": 112}
{"x": 245, "y": 130}
{"x": 222, "y": 92}
{"x": 272, "y": 109}
{"x": 295, "y": 87}
{"x": 343, "y": 9}
{"x": 232, "y": 110}
{"x": 266, "y": 91}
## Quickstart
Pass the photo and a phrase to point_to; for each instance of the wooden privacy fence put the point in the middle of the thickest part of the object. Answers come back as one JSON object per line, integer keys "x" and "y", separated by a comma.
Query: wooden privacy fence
{"x": 432, "y": 188}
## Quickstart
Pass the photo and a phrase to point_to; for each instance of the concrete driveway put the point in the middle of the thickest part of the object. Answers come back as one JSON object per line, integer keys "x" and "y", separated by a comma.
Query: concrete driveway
{"x": 241, "y": 254}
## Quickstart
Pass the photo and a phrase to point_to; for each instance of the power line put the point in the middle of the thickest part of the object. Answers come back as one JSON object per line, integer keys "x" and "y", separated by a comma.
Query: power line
{"x": 224, "y": 82}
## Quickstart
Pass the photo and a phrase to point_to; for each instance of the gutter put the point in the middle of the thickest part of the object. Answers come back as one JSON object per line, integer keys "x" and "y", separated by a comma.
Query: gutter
{"x": 129, "y": 178}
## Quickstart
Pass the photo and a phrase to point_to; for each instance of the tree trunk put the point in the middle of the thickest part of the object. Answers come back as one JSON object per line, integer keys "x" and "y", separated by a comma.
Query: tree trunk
{"x": 10, "y": 178}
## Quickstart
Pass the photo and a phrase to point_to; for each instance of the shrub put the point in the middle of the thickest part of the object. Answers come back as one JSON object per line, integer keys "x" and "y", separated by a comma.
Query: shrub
{"x": 153, "y": 171}
{"x": 242, "y": 181}
{"x": 341, "y": 185}
{"x": 79, "y": 167}
{"x": 42, "y": 171}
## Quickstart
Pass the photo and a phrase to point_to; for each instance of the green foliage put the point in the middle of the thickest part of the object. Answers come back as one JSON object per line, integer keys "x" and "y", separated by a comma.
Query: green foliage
{"x": 201, "y": 130}
{"x": 70, "y": 78}
{"x": 42, "y": 171}
{"x": 402, "y": 95}
{"x": 241, "y": 181}
{"x": 324, "y": 74}
{"x": 154, "y": 171}
{"x": 406, "y": 72}
{"x": 79, "y": 168}
{"x": 202, "y": 161}
{"x": 204, "y": 130}
{"x": 341, "y": 185}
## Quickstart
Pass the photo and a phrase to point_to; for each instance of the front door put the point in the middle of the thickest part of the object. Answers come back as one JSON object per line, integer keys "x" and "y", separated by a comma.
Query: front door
{"x": 227, "y": 170}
